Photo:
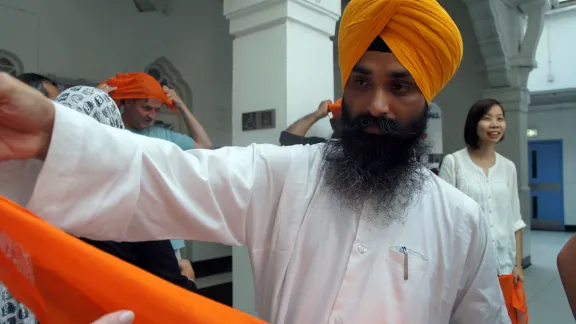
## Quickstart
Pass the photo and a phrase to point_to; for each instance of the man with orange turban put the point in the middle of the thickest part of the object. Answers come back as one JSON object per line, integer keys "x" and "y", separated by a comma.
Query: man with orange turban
{"x": 296, "y": 133}
{"x": 142, "y": 96}
{"x": 355, "y": 230}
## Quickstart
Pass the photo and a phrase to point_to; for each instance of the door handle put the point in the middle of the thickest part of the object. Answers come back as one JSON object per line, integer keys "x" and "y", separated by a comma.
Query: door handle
{"x": 534, "y": 164}
{"x": 534, "y": 207}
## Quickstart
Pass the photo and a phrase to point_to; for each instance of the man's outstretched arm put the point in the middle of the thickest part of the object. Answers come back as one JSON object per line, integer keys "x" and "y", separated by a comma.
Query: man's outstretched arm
{"x": 104, "y": 183}
{"x": 108, "y": 184}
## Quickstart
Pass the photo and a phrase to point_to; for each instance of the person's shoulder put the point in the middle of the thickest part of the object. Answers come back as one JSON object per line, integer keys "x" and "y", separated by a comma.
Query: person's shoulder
{"x": 506, "y": 161}
{"x": 459, "y": 154}
{"x": 156, "y": 130}
{"x": 454, "y": 156}
{"x": 455, "y": 201}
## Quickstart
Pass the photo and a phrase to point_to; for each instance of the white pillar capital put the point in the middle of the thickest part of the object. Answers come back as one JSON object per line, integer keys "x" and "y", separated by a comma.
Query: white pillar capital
{"x": 512, "y": 98}
{"x": 248, "y": 16}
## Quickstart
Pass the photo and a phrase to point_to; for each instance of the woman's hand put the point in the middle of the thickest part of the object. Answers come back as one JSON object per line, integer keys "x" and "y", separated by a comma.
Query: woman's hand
{"x": 518, "y": 274}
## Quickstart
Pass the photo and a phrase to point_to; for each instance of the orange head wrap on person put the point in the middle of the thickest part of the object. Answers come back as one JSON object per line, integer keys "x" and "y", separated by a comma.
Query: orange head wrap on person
{"x": 420, "y": 33}
{"x": 137, "y": 85}
{"x": 336, "y": 108}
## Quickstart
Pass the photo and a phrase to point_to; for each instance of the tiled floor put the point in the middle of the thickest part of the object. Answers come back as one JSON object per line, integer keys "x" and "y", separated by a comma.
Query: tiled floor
{"x": 547, "y": 302}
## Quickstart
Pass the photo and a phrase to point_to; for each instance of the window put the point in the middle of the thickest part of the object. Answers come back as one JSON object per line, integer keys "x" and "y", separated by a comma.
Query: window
{"x": 10, "y": 63}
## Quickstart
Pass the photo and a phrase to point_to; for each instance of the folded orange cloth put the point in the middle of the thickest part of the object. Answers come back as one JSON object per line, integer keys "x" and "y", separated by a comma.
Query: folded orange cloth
{"x": 515, "y": 299}
{"x": 137, "y": 85}
{"x": 66, "y": 281}
{"x": 336, "y": 108}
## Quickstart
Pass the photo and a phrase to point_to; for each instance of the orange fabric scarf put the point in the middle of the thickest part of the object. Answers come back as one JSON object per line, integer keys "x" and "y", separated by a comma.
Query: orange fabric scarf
{"x": 66, "y": 281}
{"x": 137, "y": 85}
{"x": 515, "y": 299}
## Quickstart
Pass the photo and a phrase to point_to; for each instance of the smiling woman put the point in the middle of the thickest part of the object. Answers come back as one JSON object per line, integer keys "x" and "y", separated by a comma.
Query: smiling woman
{"x": 490, "y": 179}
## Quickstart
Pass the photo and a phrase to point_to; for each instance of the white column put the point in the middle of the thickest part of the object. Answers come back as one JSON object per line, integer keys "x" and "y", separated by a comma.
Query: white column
{"x": 282, "y": 60}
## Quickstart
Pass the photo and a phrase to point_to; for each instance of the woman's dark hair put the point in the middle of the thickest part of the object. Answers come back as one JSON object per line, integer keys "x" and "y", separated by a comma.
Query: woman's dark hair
{"x": 475, "y": 114}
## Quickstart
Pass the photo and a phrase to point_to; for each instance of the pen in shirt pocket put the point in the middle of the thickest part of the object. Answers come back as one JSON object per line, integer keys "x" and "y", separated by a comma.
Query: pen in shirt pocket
{"x": 405, "y": 252}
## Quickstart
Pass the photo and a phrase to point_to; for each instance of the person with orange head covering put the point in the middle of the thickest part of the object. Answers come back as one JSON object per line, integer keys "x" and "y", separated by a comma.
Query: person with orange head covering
{"x": 356, "y": 230}
{"x": 296, "y": 133}
{"x": 142, "y": 96}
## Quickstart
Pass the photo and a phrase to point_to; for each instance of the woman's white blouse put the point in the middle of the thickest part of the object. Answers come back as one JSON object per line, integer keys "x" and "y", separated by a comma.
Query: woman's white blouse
{"x": 496, "y": 193}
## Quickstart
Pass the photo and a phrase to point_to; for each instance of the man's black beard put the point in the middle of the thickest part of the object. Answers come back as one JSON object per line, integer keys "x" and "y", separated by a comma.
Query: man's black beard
{"x": 378, "y": 171}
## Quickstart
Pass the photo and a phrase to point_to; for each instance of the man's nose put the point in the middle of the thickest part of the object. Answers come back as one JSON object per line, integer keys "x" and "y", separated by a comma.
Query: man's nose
{"x": 380, "y": 104}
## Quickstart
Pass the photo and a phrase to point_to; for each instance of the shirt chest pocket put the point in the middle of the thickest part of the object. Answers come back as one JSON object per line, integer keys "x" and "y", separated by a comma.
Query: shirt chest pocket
{"x": 407, "y": 270}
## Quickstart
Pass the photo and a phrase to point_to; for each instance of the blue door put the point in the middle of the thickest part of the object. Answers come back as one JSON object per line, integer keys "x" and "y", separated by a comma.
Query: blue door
{"x": 545, "y": 169}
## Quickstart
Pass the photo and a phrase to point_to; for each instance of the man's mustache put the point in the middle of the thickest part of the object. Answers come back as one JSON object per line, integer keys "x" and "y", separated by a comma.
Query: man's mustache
{"x": 386, "y": 125}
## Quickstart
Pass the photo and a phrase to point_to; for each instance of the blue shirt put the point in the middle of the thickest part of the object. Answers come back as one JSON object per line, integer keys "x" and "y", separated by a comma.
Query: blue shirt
{"x": 185, "y": 142}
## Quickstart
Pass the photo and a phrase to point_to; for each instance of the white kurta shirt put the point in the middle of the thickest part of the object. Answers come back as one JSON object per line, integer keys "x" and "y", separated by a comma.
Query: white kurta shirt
{"x": 313, "y": 261}
{"x": 497, "y": 194}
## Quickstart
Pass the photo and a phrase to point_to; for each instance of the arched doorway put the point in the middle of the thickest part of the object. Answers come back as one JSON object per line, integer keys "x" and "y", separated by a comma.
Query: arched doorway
{"x": 10, "y": 63}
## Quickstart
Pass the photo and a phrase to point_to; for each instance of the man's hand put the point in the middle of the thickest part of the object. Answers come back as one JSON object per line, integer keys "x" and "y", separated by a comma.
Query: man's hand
{"x": 322, "y": 110}
{"x": 106, "y": 88}
{"x": 172, "y": 95}
{"x": 26, "y": 120}
{"x": 186, "y": 269}
{"x": 121, "y": 317}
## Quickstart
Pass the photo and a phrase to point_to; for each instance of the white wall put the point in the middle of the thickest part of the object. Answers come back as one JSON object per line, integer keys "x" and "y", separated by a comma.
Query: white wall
{"x": 94, "y": 40}
{"x": 559, "y": 124}
{"x": 555, "y": 52}
{"x": 556, "y": 71}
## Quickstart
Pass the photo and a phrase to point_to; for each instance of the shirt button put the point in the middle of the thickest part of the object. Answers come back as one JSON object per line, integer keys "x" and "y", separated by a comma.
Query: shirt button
{"x": 338, "y": 320}
{"x": 362, "y": 248}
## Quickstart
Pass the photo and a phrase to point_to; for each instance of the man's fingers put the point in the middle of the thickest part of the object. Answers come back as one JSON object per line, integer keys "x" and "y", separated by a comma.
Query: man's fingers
{"x": 121, "y": 317}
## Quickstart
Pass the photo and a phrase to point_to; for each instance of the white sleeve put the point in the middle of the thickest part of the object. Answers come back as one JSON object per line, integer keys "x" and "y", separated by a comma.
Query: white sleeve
{"x": 515, "y": 203}
{"x": 104, "y": 183}
{"x": 479, "y": 298}
{"x": 448, "y": 170}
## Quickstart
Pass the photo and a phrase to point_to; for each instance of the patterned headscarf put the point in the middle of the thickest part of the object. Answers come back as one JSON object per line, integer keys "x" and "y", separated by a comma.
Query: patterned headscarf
{"x": 92, "y": 102}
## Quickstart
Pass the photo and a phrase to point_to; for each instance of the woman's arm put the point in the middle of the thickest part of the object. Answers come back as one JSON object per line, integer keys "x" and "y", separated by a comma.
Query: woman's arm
{"x": 518, "y": 236}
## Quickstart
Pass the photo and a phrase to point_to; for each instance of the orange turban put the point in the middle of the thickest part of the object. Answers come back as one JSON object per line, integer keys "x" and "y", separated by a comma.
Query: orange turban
{"x": 137, "y": 85}
{"x": 420, "y": 33}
